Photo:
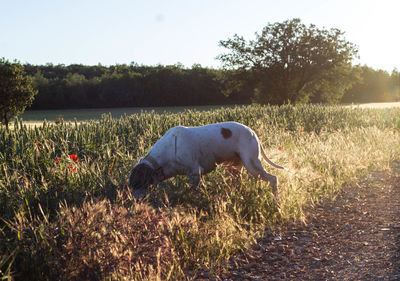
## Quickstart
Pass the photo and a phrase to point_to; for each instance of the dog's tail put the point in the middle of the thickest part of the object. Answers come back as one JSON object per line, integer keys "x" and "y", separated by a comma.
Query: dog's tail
{"x": 267, "y": 159}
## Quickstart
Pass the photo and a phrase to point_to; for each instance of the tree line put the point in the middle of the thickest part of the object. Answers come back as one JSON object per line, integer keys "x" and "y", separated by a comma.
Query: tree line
{"x": 80, "y": 86}
{"x": 373, "y": 86}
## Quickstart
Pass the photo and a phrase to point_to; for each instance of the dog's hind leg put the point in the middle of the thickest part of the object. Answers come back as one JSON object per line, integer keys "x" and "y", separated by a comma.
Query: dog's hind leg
{"x": 255, "y": 168}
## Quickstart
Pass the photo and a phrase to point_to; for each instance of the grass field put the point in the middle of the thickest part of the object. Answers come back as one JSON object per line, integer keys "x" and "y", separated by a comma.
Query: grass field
{"x": 377, "y": 105}
{"x": 38, "y": 116}
{"x": 66, "y": 213}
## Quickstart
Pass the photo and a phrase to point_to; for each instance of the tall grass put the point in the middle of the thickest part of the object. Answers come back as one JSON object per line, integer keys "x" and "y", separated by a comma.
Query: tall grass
{"x": 73, "y": 220}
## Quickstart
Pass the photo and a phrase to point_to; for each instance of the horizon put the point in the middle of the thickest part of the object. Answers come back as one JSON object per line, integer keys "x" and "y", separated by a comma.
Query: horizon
{"x": 181, "y": 33}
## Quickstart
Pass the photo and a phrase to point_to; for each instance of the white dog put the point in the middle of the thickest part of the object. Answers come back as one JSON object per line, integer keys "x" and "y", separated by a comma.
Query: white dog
{"x": 195, "y": 151}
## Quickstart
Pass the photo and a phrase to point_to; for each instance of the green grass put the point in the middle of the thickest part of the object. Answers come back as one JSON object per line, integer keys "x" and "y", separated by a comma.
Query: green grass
{"x": 51, "y": 115}
{"x": 67, "y": 220}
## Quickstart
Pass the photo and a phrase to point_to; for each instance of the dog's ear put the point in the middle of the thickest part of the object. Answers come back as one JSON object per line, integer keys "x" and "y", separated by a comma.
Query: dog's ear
{"x": 141, "y": 176}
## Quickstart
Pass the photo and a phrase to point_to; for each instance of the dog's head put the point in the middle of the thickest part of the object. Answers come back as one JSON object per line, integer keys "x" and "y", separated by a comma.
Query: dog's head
{"x": 142, "y": 175}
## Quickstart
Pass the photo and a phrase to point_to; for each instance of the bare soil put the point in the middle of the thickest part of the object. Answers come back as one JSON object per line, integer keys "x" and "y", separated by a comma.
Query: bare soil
{"x": 356, "y": 236}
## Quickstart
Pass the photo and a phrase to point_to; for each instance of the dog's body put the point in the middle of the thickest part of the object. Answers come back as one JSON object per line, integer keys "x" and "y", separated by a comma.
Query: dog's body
{"x": 195, "y": 151}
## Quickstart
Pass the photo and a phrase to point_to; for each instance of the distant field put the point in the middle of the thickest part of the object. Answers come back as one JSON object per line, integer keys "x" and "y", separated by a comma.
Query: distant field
{"x": 36, "y": 117}
{"x": 377, "y": 105}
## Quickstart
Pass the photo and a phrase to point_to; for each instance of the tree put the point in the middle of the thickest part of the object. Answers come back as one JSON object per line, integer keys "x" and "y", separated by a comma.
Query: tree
{"x": 16, "y": 91}
{"x": 290, "y": 62}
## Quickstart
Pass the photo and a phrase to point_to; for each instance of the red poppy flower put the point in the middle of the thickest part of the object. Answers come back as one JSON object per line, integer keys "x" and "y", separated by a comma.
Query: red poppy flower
{"x": 300, "y": 131}
{"x": 280, "y": 148}
{"x": 37, "y": 144}
{"x": 74, "y": 157}
{"x": 57, "y": 159}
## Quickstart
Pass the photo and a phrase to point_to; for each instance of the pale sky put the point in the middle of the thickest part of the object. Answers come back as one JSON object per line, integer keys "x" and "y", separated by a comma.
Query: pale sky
{"x": 167, "y": 32}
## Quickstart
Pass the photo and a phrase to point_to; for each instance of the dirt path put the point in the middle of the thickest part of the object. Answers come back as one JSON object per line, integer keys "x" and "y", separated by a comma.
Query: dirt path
{"x": 355, "y": 237}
